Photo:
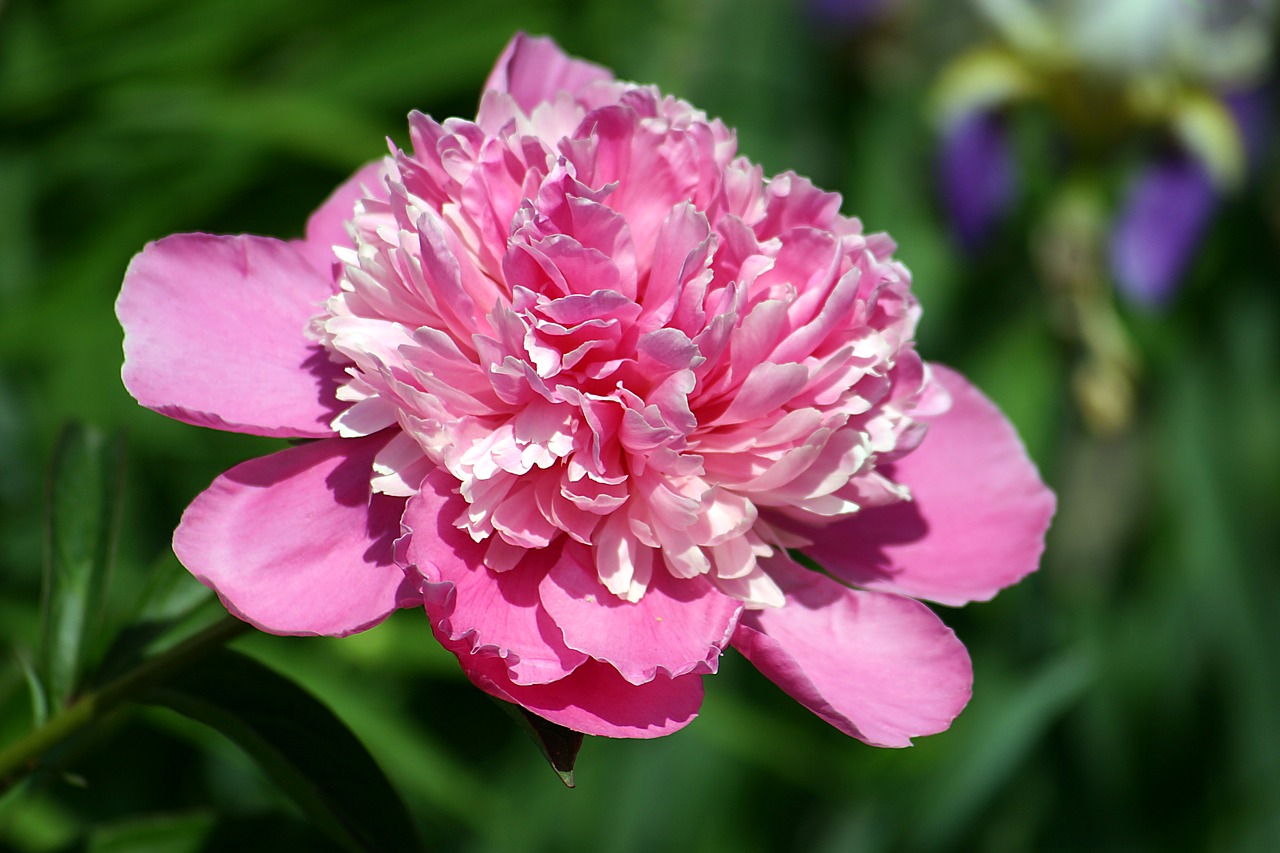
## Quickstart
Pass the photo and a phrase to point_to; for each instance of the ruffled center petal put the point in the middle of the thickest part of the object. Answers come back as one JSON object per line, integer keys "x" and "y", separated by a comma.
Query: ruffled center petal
{"x": 614, "y": 334}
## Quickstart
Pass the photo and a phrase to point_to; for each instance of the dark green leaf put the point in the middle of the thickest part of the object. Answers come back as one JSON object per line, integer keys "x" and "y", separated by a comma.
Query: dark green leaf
{"x": 81, "y": 520}
{"x": 559, "y": 745}
{"x": 299, "y": 743}
{"x": 163, "y": 833}
{"x": 169, "y": 605}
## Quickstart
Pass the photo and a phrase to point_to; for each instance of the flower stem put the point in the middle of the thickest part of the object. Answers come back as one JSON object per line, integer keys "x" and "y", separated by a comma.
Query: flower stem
{"x": 22, "y": 757}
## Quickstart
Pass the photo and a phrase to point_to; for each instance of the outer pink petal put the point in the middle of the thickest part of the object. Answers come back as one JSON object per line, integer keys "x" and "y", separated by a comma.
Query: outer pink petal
{"x": 294, "y": 543}
{"x": 880, "y": 667}
{"x": 533, "y": 69}
{"x": 216, "y": 335}
{"x": 482, "y": 609}
{"x": 327, "y": 227}
{"x": 977, "y": 520}
{"x": 593, "y": 699}
{"x": 678, "y": 627}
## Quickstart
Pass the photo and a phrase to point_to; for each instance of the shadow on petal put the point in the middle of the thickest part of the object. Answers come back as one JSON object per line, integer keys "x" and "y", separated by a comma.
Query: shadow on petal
{"x": 329, "y": 376}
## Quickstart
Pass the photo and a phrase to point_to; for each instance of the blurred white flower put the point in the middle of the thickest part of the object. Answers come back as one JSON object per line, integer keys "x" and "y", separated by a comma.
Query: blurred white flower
{"x": 1217, "y": 42}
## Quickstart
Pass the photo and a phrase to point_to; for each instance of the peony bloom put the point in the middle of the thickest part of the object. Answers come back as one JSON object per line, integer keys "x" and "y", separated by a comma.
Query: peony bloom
{"x": 584, "y": 383}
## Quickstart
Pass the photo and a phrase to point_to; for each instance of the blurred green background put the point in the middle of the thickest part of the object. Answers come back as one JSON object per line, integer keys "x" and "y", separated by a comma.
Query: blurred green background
{"x": 1127, "y": 696}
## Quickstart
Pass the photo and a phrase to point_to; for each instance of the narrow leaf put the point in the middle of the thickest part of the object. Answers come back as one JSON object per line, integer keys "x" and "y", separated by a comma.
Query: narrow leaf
{"x": 1002, "y": 733}
{"x": 159, "y": 833}
{"x": 39, "y": 697}
{"x": 306, "y": 750}
{"x": 558, "y": 744}
{"x": 169, "y": 605}
{"x": 82, "y": 515}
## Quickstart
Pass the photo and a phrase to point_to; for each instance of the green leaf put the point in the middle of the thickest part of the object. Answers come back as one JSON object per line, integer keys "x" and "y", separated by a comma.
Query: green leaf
{"x": 39, "y": 697}
{"x": 162, "y": 833}
{"x": 999, "y": 734}
{"x": 82, "y": 518}
{"x": 34, "y": 819}
{"x": 558, "y": 745}
{"x": 299, "y": 743}
{"x": 169, "y": 606}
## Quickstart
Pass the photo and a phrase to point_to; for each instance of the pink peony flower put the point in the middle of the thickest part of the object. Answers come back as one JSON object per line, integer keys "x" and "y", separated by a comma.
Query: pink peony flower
{"x": 583, "y": 383}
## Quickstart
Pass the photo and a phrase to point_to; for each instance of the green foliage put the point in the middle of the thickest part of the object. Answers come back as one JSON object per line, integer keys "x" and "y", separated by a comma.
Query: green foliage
{"x": 300, "y": 744}
{"x": 180, "y": 833}
{"x": 85, "y": 483}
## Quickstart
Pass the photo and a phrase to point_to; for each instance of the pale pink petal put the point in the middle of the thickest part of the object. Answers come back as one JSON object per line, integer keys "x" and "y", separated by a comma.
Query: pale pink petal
{"x": 622, "y": 563}
{"x": 794, "y": 202}
{"x": 755, "y": 588}
{"x": 366, "y": 417}
{"x": 533, "y": 69}
{"x": 216, "y": 335}
{"x": 976, "y": 522}
{"x": 678, "y": 627}
{"x": 327, "y": 226}
{"x": 474, "y": 605}
{"x": 295, "y": 543}
{"x": 877, "y": 666}
{"x": 767, "y": 387}
{"x": 593, "y": 699}
{"x": 400, "y": 467}
{"x": 654, "y": 170}
{"x": 681, "y": 252}
{"x": 756, "y": 337}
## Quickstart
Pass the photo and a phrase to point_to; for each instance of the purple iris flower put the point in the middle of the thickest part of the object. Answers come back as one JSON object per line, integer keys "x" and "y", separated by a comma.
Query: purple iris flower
{"x": 977, "y": 173}
{"x": 1166, "y": 210}
{"x": 1169, "y": 205}
{"x": 1250, "y": 108}
{"x": 849, "y": 16}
